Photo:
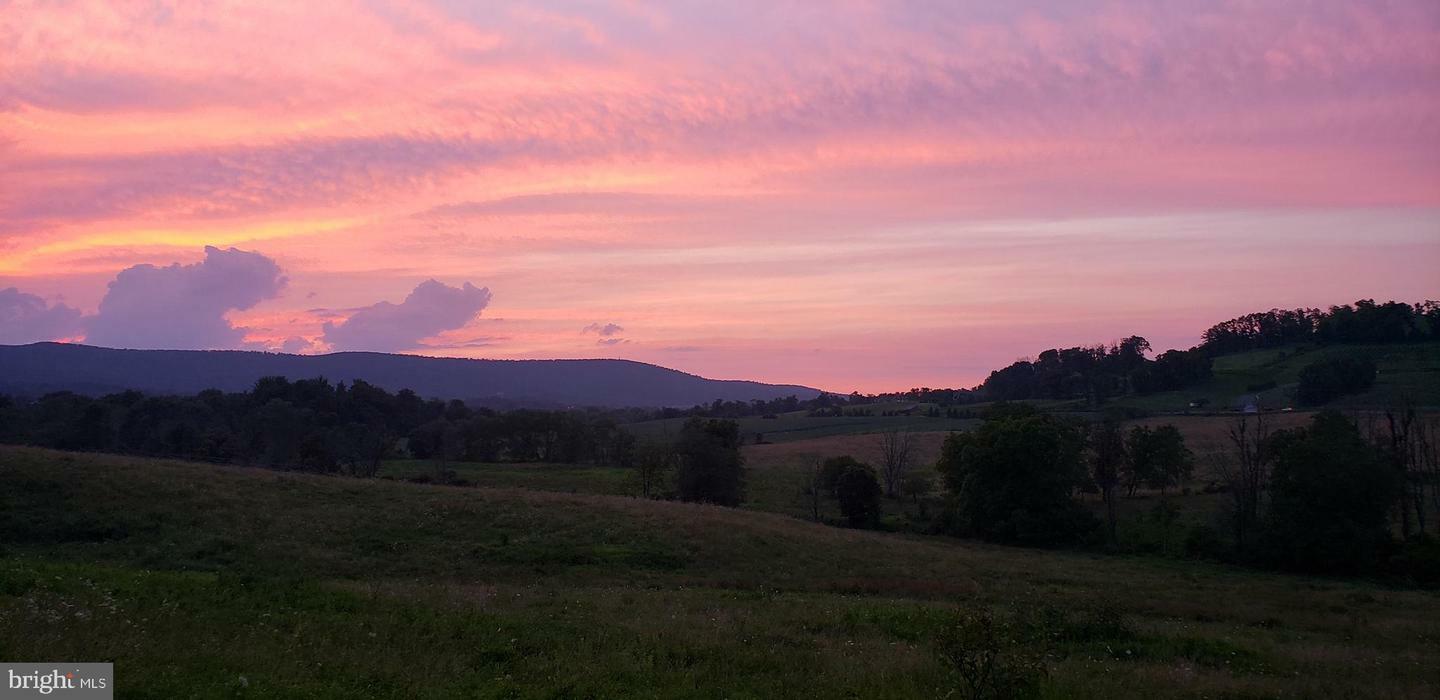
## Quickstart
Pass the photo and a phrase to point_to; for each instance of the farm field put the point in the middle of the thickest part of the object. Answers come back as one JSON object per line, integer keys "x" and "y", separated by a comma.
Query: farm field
{"x": 208, "y": 581}
{"x": 776, "y": 472}
{"x": 790, "y": 427}
{"x": 540, "y": 476}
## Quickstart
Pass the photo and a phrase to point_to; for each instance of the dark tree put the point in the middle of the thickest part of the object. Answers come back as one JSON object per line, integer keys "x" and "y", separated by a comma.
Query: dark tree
{"x": 1332, "y": 378}
{"x": 858, "y": 491}
{"x": 1109, "y": 461}
{"x": 711, "y": 468}
{"x": 653, "y": 465}
{"x": 1331, "y": 495}
{"x": 897, "y": 449}
{"x": 1012, "y": 480}
{"x": 1158, "y": 458}
{"x": 832, "y": 468}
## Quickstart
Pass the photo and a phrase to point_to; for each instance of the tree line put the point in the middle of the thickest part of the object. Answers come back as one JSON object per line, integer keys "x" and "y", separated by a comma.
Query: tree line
{"x": 309, "y": 425}
{"x": 1365, "y": 321}
{"x": 1327, "y": 497}
{"x": 1096, "y": 373}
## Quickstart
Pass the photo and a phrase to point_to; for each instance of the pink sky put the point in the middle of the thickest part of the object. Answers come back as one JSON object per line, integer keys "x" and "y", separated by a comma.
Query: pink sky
{"x": 850, "y": 195}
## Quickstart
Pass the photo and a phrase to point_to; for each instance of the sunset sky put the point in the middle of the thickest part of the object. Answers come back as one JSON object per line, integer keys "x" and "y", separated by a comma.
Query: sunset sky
{"x": 849, "y": 195}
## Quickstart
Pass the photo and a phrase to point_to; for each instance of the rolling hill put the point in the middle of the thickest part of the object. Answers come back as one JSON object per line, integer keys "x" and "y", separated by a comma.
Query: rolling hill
{"x": 205, "y": 581}
{"x": 84, "y": 369}
{"x": 45, "y": 367}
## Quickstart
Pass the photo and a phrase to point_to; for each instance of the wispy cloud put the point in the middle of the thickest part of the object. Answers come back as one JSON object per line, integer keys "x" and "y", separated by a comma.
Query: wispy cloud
{"x": 751, "y": 178}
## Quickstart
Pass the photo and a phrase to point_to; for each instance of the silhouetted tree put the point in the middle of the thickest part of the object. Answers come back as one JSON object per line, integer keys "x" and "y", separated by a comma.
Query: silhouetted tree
{"x": 1158, "y": 457}
{"x": 654, "y": 464}
{"x": 896, "y": 449}
{"x": 1328, "y": 379}
{"x": 1331, "y": 495}
{"x": 858, "y": 492}
{"x": 916, "y": 486}
{"x": 1012, "y": 479}
{"x": 1245, "y": 471}
{"x": 711, "y": 468}
{"x": 1108, "y": 462}
{"x": 832, "y": 468}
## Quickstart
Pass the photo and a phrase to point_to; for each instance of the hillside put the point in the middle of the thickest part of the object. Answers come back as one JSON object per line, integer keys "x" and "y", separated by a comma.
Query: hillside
{"x": 1407, "y": 371}
{"x": 200, "y": 580}
{"x": 45, "y": 367}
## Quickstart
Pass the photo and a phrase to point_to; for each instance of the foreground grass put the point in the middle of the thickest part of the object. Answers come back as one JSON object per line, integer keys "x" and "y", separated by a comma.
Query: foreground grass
{"x": 210, "y": 581}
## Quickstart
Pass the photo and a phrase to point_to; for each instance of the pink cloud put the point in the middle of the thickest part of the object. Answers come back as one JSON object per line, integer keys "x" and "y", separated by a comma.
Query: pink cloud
{"x": 751, "y": 180}
{"x": 184, "y": 306}
{"x": 432, "y": 308}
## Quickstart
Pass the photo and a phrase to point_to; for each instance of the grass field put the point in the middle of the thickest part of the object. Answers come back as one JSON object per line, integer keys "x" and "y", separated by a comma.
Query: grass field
{"x": 206, "y": 581}
{"x": 540, "y": 476}
{"x": 776, "y": 472}
{"x": 790, "y": 427}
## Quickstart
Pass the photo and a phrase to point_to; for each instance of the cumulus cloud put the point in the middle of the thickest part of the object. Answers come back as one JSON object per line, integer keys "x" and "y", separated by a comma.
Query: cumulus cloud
{"x": 606, "y": 330}
{"x": 385, "y": 327}
{"x": 295, "y": 345}
{"x": 26, "y": 318}
{"x": 184, "y": 306}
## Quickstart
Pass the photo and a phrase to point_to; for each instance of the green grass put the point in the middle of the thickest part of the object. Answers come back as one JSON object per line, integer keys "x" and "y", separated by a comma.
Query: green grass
{"x": 205, "y": 581}
{"x": 541, "y": 476}
{"x": 1406, "y": 372}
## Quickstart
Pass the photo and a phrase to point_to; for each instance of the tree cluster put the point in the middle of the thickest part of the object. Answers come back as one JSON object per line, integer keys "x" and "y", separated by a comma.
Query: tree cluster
{"x": 1365, "y": 321}
{"x": 1096, "y": 373}
{"x": 1325, "y": 497}
{"x": 1331, "y": 378}
{"x": 1014, "y": 478}
{"x": 463, "y": 434}
{"x": 310, "y": 424}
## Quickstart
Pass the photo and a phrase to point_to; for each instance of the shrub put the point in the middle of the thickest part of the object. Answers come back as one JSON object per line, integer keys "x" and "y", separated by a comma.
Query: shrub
{"x": 988, "y": 658}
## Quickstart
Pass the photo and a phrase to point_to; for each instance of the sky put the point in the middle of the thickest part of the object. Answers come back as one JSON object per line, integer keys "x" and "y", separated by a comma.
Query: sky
{"x": 850, "y": 195}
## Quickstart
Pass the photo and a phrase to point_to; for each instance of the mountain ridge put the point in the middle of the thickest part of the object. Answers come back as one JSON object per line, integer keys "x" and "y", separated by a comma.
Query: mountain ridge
{"x": 87, "y": 369}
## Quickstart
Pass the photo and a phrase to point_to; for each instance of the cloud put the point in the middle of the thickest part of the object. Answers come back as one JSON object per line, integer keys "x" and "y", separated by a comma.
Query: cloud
{"x": 385, "y": 327}
{"x": 295, "y": 345}
{"x": 611, "y": 341}
{"x": 606, "y": 330}
{"x": 220, "y": 182}
{"x": 184, "y": 306}
{"x": 26, "y": 318}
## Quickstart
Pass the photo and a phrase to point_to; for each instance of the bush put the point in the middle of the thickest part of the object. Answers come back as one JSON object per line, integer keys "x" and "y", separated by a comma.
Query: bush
{"x": 988, "y": 657}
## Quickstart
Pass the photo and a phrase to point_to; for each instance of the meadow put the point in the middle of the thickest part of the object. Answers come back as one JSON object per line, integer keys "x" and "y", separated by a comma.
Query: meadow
{"x": 210, "y": 581}
{"x": 798, "y": 425}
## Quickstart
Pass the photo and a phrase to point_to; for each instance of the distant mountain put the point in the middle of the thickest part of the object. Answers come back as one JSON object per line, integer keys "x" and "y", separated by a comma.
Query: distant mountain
{"x": 45, "y": 367}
